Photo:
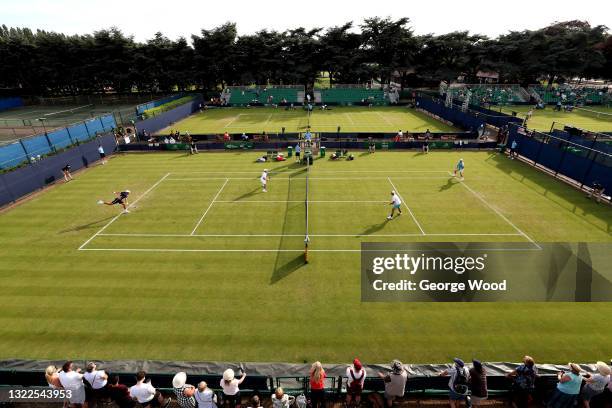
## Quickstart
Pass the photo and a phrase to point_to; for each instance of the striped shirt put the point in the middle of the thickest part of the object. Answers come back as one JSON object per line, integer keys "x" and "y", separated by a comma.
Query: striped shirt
{"x": 183, "y": 401}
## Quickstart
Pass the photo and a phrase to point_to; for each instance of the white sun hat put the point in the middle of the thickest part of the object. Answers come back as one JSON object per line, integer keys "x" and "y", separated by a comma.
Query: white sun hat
{"x": 228, "y": 375}
{"x": 179, "y": 380}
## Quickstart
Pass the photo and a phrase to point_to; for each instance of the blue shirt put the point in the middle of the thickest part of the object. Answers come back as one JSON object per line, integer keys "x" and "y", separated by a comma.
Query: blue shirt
{"x": 308, "y": 136}
{"x": 460, "y": 165}
{"x": 571, "y": 387}
{"x": 298, "y": 148}
{"x": 514, "y": 144}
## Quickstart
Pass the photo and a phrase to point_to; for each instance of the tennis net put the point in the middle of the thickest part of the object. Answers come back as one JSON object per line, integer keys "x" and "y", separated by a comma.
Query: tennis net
{"x": 306, "y": 237}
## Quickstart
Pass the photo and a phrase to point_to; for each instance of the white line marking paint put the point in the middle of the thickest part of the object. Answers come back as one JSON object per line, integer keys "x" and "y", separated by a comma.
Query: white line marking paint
{"x": 406, "y": 205}
{"x": 209, "y": 207}
{"x": 121, "y": 213}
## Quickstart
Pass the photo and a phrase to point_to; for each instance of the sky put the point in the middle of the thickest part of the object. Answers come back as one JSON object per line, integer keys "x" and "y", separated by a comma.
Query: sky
{"x": 175, "y": 18}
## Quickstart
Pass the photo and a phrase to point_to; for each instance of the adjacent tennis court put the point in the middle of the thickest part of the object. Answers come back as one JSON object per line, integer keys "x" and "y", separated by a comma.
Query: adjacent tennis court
{"x": 36, "y": 119}
{"x": 348, "y": 119}
{"x": 593, "y": 118}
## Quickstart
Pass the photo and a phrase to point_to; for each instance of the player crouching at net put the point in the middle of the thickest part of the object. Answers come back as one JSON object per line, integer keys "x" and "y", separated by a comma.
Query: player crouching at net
{"x": 121, "y": 198}
{"x": 396, "y": 202}
{"x": 264, "y": 180}
{"x": 459, "y": 168}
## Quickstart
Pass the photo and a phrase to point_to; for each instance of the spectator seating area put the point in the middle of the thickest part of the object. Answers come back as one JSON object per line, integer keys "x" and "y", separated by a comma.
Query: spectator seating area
{"x": 242, "y": 96}
{"x": 491, "y": 94}
{"x": 353, "y": 96}
{"x": 420, "y": 387}
{"x": 575, "y": 95}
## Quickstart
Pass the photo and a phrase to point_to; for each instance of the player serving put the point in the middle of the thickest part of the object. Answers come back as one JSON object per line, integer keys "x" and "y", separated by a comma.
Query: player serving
{"x": 264, "y": 180}
{"x": 121, "y": 198}
{"x": 459, "y": 168}
{"x": 396, "y": 202}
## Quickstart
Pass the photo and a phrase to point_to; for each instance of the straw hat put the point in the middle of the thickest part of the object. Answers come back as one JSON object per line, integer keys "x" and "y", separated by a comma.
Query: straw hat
{"x": 179, "y": 380}
{"x": 603, "y": 368}
{"x": 228, "y": 375}
{"x": 575, "y": 367}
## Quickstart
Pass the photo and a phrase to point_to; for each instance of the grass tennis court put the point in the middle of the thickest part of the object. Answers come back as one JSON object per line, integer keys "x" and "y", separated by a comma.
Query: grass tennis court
{"x": 350, "y": 119}
{"x": 25, "y": 121}
{"x": 207, "y": 267}
{"x": 593, "y": 118}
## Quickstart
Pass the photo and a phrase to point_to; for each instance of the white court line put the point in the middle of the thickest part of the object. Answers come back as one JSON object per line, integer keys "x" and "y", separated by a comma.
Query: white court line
{"x": 298, "y": 235}
{"x": 288, "y": 250}
{"x": 406, "y": 205}
{"x": 393, "y": 171}
{"x": 66, "y": 110}
{"x": 502, "y": 216}
{"x": 310, "y": 178}
{"x": 300, "y": 201}
{"x": 348, "y": 115}
{"x": 384, "y": 118}
{"x": 232, "y": 121}
{"x": 209, "y": 207}
{"x": 121, "y": 213}
{"x": 267, "y": 120}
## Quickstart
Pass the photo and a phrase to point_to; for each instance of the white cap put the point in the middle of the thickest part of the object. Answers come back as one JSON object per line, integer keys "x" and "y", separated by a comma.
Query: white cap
{"x": 392, "y": 192}
{"x": 265, "y": 170}
{"x": 127, "y": 191}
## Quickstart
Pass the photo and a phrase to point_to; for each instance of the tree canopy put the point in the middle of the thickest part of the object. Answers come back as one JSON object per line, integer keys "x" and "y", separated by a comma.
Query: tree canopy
{"x": 384, "y": 49}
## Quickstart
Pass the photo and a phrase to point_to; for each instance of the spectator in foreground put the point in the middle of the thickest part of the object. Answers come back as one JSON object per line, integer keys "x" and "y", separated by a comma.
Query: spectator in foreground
{"x": 595, "y": 384}
{"x": 205, "y": 397}
{"x": 120, "y": 393}
{"x": 317, "y": 385}
{"x": 523, "y": 383}
{"x": 98, "y": 380}
{"x": 255, "y": 402}
{"x": 231, "y": 388}
{"x": 72, "y": 381}
{"x": 184, "y": 392}
{"x": 52, "y": 377}
{"x": 568, "y": 388}
{"x": 281, "y": 400}
{"x": 458, "y": 382}
{"x": 145, "y": 394}
{"x": 356, "y": 375}
{"x": 395, "y": 381}
{"x": 478, "y": 383}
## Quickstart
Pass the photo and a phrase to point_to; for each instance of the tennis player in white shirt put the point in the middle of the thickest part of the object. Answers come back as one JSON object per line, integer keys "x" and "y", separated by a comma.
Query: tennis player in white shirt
{"x": 396, "y": 202}
{"x": 264, "y": 180}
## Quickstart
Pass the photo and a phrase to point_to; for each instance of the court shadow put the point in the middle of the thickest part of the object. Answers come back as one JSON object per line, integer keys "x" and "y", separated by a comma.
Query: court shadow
{"x": 90, "y": 225}
{"x": 249, "y": 194}
{"x": 180, "y": 156}
{"x": 364, "y": 154}
{"x": 285, "y": 267}
{"x": 289, "y": 166}
{"x": 449, "y": 184}
{"x": 374, "y": 228}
